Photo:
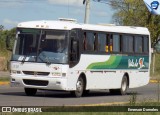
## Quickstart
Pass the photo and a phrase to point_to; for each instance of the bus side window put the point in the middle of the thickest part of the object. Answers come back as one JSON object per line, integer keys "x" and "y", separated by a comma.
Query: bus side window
{"x": 138, "y": 44}
{"x": 101, "y": 39}
{"x": 95, "y": 42}
{"x": 145, "y": 44}
{"x": 74, "y": 50}
{"x": 116, "y": 43}
{"x": 109, "y": 43}
{"x": 90, "y": 41}
{"x": 84, "y": 42}
{"x": 128, "y": 46}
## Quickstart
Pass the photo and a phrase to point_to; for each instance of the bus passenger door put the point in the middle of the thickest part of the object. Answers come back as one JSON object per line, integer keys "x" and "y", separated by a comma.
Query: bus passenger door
{"x": 74, "y": 52}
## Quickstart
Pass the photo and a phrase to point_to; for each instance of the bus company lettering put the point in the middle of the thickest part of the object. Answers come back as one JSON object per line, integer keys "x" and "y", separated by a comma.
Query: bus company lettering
{"x": 136, "y": 63}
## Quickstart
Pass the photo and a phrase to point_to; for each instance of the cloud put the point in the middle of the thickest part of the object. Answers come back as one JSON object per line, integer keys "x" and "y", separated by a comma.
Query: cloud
{"x": 67, "y": 2}
{"x": 10, "y": 22}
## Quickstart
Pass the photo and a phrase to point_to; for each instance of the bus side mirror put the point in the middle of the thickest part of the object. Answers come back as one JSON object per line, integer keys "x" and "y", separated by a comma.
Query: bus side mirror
{"x": 8, "y": 43}
{"x": 157, "y": 46}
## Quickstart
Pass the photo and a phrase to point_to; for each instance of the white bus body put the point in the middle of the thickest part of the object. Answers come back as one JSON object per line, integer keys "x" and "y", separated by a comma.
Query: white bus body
{"x": 92, "y": 57}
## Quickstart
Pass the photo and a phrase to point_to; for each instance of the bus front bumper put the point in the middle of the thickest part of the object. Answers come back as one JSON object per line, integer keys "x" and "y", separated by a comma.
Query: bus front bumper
{"x": 48, "y": 83}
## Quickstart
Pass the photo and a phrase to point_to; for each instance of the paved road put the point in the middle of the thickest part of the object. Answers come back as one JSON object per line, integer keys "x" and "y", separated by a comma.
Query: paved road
{"x": 16, "y": 97}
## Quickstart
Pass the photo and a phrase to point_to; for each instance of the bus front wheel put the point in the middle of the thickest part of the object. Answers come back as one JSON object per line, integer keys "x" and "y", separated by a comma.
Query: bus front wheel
{"x": 79, "y": 88}
{"x": 30, "y": 91}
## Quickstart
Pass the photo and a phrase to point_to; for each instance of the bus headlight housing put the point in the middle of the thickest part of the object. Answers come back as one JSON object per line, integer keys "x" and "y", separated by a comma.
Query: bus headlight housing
{"x": 15, "y": 72}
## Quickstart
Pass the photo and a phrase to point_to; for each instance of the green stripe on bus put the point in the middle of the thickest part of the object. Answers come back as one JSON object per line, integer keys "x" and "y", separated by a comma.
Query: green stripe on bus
{"x": 122, "y": 62}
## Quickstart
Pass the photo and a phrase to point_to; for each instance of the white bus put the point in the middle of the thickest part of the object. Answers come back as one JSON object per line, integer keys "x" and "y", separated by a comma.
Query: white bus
{"x": 67, "y": 56}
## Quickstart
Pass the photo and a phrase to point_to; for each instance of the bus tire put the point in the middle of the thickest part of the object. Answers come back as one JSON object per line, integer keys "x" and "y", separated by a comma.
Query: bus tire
{"x": 30, "y": 91}
{"x": 123, "y": 89}
{"x": 124, "y": 86}
{"x": 79, "y": 88}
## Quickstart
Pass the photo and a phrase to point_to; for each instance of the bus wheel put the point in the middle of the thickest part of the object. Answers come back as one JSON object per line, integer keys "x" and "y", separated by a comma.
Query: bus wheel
{"x": 123, "y": 89}
{"x": 124, "y": 86}
{"x": 79, "y": 88}
{"x": 30, "y": 91}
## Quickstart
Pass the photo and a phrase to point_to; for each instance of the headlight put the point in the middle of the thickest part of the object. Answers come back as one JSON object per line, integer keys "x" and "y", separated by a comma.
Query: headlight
{"x": 15, "y": 72}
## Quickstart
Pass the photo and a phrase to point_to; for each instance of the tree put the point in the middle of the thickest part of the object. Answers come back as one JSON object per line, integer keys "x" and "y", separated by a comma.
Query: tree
{"x": 135, "y": 13}
{"x": 3, "y": 35}
{"x": 1, "y": 27}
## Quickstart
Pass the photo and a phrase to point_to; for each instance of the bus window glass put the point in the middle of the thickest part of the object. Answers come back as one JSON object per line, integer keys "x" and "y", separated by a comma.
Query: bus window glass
{"x": 90, "y": 41}
{"x": 110, "y": 39}
{"x": 116, "y": 43}
{"x": 108, "y": 42}
{"x": 84, "y": 41}
{"x": 138, "y": 44}
{"x": 101, "y": 42}
{"x": 145, "y": 44}
{"x": 127, "y": 43}
{"x": 27, "y": 44}
{"x": 45, "y": 46}
{"x": 130, "y": 44}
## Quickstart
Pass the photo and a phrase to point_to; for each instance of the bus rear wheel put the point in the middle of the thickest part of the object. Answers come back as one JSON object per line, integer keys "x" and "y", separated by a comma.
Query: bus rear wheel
{"x": 79, "y": 88}
{"x": 123, "y": 89}
{"x": 124, "y": 86}
{"x": 30, "y": 91}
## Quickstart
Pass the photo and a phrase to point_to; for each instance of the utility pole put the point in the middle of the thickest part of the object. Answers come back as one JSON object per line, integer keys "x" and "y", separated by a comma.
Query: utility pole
{"x": 87, "y": 11}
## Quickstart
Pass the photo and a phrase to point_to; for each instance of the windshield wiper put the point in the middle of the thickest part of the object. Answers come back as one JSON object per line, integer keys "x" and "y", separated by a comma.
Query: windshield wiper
{"x": 46, "y": 58}
{"x": 23, "y": 60}
{"x": 48, "y": 61}
{"x": 25, "y": 57}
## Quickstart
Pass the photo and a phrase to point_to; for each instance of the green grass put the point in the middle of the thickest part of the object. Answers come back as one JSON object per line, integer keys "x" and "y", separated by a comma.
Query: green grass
{"x": 156, "y": 74}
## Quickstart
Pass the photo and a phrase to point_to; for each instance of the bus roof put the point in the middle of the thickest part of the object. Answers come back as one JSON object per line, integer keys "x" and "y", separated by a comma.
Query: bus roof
{"x": 47, "y": 24}
{"x": 117, "y": 29}
{"x": 65, "y": 25}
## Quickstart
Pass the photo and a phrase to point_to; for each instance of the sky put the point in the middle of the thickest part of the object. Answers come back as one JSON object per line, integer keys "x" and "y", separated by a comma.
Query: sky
{"x": 13, "y": 12}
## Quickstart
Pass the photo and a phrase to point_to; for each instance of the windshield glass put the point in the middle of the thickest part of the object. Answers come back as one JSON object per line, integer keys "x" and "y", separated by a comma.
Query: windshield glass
{"x": 41, "y": 46}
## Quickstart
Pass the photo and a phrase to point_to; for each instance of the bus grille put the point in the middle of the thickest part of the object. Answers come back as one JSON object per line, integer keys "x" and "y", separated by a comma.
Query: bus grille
{"x": 35, "y": 82}
{"x": 36, "y": 73}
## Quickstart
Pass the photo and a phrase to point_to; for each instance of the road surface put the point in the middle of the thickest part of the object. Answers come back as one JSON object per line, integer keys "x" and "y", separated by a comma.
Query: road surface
{"x": 10, "y": 96}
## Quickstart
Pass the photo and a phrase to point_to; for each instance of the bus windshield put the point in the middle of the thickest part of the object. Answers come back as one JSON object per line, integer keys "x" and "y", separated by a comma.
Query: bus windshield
{"x": 41, "y": 46}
